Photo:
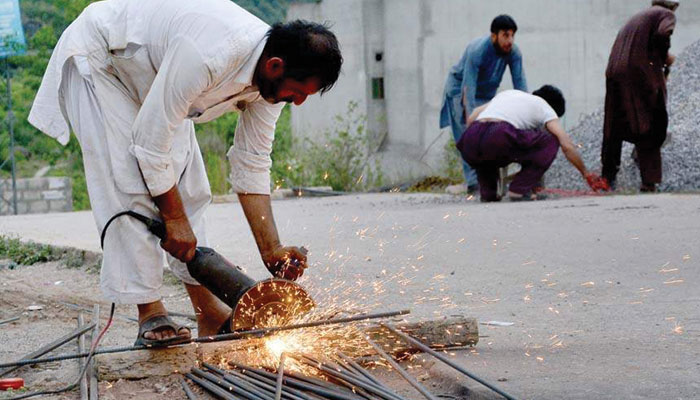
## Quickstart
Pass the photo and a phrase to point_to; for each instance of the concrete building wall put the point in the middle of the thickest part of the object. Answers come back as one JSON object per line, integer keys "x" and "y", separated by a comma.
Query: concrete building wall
{"x": 564, "y": 42}
{"x": 37, "y": 195}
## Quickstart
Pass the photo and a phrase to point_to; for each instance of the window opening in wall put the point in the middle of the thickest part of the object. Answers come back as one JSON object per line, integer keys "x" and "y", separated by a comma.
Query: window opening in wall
{"x": 378, "y": 56}
{"x": 378, "y": 88}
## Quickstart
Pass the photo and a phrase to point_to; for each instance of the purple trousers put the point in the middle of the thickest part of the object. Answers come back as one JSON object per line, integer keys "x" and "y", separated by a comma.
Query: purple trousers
{"x": 488, "y": 146}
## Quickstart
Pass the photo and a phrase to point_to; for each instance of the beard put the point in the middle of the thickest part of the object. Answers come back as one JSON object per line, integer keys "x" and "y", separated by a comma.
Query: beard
{"x": 500, "y": 49}
{"x": 269, "y": 88}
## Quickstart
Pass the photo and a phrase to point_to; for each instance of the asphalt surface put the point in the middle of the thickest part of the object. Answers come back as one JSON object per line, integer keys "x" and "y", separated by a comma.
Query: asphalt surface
{"x": 602, "y": 292}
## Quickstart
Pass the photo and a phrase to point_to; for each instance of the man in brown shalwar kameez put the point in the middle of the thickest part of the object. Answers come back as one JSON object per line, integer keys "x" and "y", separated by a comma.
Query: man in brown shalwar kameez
{"x": 635, "y": 99}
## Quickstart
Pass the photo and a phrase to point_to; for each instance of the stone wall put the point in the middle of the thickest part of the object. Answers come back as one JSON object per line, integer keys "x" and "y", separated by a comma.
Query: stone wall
{"x": 37, "y": 195}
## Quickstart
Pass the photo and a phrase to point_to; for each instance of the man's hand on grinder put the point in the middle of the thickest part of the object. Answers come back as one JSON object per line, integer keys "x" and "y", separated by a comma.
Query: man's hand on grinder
{"x": 286, "y": 262}
{"x": 179, "y": 240}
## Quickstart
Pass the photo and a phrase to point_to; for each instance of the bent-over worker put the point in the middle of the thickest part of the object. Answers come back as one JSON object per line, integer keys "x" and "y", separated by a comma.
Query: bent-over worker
{"x": 523, "y": 128}
{"x": 474, "y": 80}
{"x": 130, "y": 78}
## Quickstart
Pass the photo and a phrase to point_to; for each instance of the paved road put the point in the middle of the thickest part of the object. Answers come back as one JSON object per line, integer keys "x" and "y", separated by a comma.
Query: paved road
{"x": 602, "y": 292}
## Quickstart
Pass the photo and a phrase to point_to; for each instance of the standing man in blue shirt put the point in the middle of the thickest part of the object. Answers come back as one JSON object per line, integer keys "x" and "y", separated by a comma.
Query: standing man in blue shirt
{"x": 474, "y": 80}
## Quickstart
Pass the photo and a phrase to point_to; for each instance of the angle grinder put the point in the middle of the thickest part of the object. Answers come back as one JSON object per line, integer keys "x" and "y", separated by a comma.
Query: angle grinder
{"x": 271, "y": 302}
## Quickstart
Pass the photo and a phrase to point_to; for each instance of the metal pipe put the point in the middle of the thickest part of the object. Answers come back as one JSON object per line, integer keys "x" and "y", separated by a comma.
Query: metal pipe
{"x": 7, "y": 321}
{"x": 359, "y": 368}
{"x": 447, "y": 361}
{"x": 280, "y": 375}
{"x": 81, "y": 362}
{"x": 325, "y": 391}
{"x": 262, "y": 382}
{"x": 212, "y": 388}
{"x": 379, "y": 391}
{"x": 92, "y": 372}
{"x": 207, "y": 339}
{"x": 409, "y": 378}
{"x": 228, "y": 385}
{"x": 45, "y": 349}
{"x": 188, "y": 391}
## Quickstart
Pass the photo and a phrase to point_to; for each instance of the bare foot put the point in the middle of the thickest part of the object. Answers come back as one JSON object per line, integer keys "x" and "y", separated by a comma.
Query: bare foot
{"x": 147, "y": 311}
{"x": 211, "y": 312}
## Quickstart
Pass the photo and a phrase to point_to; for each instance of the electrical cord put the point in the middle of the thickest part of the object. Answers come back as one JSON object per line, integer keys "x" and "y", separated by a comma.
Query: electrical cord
{"x": 91, "y": 354}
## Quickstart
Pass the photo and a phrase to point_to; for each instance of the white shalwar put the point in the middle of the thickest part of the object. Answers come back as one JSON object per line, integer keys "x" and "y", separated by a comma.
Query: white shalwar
{"x": 130, "y": 77}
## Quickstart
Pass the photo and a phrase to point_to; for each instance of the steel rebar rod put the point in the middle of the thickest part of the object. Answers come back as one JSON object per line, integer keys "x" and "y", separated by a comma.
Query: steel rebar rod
{"x": 280, "y": 375}
{"x": 346, "y": 367}
{"x": 446, "y": 360}
{"x": 312, "y": 324}
{"x": 81, "y": 362}
{"x": 7, "y": 321}
{"x": 370, "y": 387}
{"x": 242, "y": 383}
{"x": 327, "y": 391}
{"x": 207, "y": 339}
{"x": 408, "y": 377}
{"x": 359, "y": 368}
{"x": 188, "y": 391}
{"x": 92, "y": 369}
{"x": 235, "y": 389}
{"x": 263, "y": 383}
{"x": 353, "y": 388}
{"x": 211, "y": 388}
{"x": 45, "y": 349}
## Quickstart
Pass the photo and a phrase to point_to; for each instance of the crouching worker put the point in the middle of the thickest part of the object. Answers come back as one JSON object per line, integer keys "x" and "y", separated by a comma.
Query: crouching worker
{"x": 523, "y": 128}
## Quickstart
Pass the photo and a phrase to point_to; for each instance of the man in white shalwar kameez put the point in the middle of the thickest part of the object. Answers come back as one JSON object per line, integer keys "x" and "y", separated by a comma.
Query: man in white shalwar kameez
{"x": 129, "y": 78}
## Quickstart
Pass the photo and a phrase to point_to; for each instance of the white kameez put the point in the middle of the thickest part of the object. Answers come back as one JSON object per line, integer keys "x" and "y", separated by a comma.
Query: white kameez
{"x": 130, "y": 77}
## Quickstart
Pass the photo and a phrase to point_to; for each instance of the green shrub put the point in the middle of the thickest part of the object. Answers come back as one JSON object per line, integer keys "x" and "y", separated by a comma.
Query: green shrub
{"x": 343, "y": 160}
{"x": 452, "y": 162}
{"x": 29, "y": 253}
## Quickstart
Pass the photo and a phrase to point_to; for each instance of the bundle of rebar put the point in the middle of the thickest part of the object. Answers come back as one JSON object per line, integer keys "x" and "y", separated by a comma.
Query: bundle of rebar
{"x": 343, "y": 378}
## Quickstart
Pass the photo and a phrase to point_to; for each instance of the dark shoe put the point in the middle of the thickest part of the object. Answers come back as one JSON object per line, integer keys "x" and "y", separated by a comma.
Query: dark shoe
{"x": 490, "y": 199}
{"x": 648, "y": 188}
{"x": 159, "y": 323}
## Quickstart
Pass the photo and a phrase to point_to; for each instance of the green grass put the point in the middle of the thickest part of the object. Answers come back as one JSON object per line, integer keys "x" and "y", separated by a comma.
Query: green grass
{"x": 29, "y": 253}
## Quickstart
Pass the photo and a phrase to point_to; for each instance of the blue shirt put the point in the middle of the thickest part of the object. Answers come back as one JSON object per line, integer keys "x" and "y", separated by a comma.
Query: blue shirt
{"x": 480, "y": 70}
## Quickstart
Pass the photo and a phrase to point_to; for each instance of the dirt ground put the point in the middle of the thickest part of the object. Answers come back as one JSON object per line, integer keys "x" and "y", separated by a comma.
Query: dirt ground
{"x": 45, "y": 295}
{"x": 601, "y": 292}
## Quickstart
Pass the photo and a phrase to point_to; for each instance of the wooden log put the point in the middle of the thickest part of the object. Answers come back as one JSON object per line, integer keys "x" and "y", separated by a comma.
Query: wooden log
{"x": 458, "y": 331}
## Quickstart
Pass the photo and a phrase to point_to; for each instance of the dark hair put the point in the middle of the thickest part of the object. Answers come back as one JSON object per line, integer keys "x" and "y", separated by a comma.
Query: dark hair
{"x": 308, "y": 50}
{"x": 553, "y": 97}
{"x": 503, "y": 23}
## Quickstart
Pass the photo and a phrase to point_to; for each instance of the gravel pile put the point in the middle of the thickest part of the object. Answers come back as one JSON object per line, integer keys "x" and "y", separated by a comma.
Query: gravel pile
{"x": 680, "y": 154}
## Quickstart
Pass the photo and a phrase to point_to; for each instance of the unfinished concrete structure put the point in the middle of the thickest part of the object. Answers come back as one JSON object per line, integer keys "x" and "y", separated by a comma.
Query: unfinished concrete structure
{"x": 398, "y": 52}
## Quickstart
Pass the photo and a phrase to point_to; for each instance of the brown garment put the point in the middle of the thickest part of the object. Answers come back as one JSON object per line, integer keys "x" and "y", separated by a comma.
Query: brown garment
{"x": 635, "y": 99}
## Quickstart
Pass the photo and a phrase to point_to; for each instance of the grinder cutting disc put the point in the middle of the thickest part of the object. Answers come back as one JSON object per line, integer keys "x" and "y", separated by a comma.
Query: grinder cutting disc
{"x": 272, "y": 302}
